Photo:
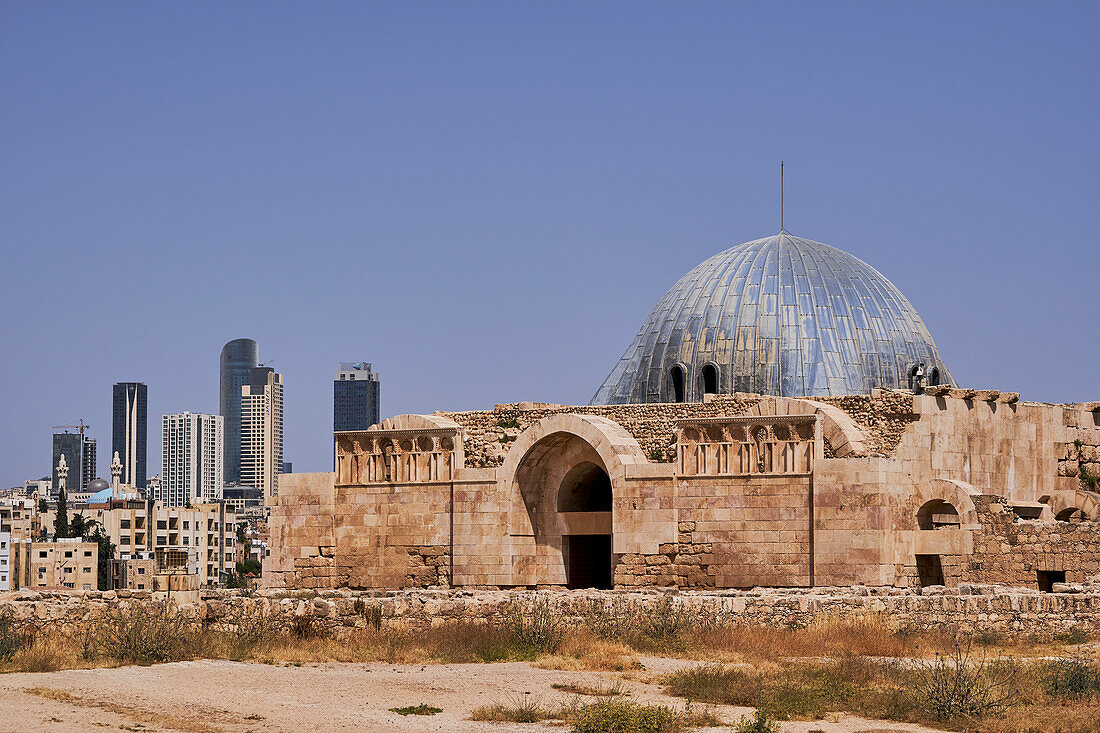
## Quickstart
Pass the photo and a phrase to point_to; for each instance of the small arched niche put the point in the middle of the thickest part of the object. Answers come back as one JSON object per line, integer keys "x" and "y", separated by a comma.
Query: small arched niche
{"x": 934, "y": 377}
{"x": 585, "y": 488}
{"x": 676, "y": 374}
{"x": 938, "y": 514}
{"x": 1070, "y": 514}
{"x": 710, "y": 379}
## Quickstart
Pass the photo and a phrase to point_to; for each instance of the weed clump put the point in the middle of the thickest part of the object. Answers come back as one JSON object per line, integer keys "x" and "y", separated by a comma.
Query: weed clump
{"x": 421, "y": 709}
{"x": 536, "y": 623}
{"x": 136, "y": 636}
{"x": 623, "y": 716}
{"x": 957, "y": 686}
{"x": 1075, "y": 677}
{"x": 758, "y": 723}
{"x": 12, "y": 636}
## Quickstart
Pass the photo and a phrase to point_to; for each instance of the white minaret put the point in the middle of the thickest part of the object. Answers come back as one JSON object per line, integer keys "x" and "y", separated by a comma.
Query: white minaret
{"x": 62, "y": 473}
{"x": 116, "y": 477}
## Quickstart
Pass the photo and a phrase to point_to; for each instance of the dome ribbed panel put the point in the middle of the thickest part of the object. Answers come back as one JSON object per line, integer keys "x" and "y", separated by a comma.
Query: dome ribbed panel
{"x": 781, "y": 315}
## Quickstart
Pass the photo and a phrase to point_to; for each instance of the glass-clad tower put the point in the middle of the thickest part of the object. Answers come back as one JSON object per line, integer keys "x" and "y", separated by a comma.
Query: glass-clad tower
{"x": 355, "y": 397}
{"x": 237, "y": 360}
{"x": 129, "y": 430}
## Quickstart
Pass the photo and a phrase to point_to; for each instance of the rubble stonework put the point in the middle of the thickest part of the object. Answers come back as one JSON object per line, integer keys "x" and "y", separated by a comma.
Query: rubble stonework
{"x": 738, "y": 491}
{"x": 967, "y": 608}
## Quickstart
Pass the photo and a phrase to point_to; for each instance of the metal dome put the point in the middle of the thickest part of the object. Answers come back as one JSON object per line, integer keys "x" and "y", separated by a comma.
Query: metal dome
{"x": 96, "y": 485}
{"x": 782, "y": 316}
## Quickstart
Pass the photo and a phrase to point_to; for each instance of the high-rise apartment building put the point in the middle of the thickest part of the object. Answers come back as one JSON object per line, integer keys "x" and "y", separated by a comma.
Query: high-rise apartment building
{"x": 262, "y": 431}
{"x": 191, "y": 459}
{"x": 355, "y": 397}
{"x": 88, "y": 468}
{"x": 130, "y": 428}
{"x": 237, "y": 360}
{"x": 80, "y": 456}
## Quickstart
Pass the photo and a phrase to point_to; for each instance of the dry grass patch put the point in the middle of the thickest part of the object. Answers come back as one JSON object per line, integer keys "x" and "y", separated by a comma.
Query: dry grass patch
{"x": 143, "y": 717}
{"x": 612, "y": 689}
{"x": 581, "y": 651}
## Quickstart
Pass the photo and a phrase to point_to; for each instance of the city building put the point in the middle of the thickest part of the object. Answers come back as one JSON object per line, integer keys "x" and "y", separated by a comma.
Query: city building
{"x": 238, "y": 357}
{"x": 19, "y": 517}
{"x": 37, "y": 487}
{"x": 783, "y": 418}
{"x": 130, "y": 428}
{"x": 262, "y": 431}
{"x": 191, "y": 459}
{"x": 247, "y": 501}
{"x": 152, "y": 487}
{"x": 135, "y": 571}
{"x": 288, "y": 467}
{"x": 355, "y": 397}
{"x": 80, "y": 456}
{"x": 5, "y": 560}
{"x": 64, "y": 563}
{"x": 200, "y": 537}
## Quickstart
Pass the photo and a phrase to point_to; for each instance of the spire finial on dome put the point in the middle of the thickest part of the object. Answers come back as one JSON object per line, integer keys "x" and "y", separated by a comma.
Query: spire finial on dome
{"x": 782, "y": 230}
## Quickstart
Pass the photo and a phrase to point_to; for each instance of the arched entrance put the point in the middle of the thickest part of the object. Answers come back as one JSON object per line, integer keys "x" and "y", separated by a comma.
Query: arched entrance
{"x": 584, "y": 505}
{"x": 567, "y": 497}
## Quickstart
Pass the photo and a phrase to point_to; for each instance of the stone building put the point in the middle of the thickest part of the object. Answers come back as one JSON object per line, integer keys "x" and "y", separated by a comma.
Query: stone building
{"x": 782, "y": 419}
{"x": 65, "y": 563}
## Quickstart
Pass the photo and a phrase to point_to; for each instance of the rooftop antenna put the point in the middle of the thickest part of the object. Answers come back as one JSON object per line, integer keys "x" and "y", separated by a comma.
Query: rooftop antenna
{"x": 782, "y": 230}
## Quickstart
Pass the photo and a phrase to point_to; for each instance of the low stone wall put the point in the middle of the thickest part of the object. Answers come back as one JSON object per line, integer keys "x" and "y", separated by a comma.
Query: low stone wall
{"x": 967, "y": 608}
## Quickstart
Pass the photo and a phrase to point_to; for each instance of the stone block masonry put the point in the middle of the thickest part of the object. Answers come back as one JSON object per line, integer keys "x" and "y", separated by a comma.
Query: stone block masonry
{"x": 967, "y": 608}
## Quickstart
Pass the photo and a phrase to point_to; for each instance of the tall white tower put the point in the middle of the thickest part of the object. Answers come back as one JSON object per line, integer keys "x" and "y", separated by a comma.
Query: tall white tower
{"x": 262, "y": 431}
{"x": 191, "y": 459}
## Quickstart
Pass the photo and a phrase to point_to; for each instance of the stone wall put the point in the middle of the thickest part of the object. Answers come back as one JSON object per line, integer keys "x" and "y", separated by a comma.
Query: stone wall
{"x": 488, "y": 433}
{"x": 965, "y": 608}
{"x": 883, "y": 416}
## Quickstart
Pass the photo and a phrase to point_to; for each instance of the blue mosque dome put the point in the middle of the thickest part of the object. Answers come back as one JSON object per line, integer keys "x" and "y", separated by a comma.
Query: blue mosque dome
{"x": 100, "y": 497}
{"x": 780, "y": 316}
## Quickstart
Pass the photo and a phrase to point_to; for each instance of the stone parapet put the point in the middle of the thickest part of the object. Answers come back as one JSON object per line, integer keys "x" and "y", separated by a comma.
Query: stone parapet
{"x": 967, "y": 608}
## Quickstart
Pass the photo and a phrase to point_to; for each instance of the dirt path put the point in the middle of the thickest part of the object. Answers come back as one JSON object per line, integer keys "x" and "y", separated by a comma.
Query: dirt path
{"x": 231, "y": 697}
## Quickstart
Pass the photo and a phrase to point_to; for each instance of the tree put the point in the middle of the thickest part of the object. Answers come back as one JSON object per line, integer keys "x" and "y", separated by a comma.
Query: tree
{"x": 61, "y": 521}
{"x": 106, "y": 555}
{"x": 43, "y": 506}
{"x": 79, "y": 526}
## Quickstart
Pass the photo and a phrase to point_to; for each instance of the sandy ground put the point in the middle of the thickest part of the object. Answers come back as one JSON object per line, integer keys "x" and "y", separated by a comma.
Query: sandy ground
{"x": 232, "y": 697}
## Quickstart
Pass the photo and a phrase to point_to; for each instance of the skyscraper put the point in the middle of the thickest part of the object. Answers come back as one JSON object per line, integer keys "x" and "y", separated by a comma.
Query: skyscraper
{"x": 237, "y": 360}
{"x": 355, "y": 397}
{"x": 80, "y": 457}
{"x": 262, "y": 431}
{"x": 128, "y": 437}
{"x": 191, "y": 459}
{"x": 88, "y": 468}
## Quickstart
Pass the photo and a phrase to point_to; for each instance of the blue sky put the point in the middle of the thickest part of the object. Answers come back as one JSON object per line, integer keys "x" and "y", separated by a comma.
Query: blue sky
{"x": 485, "y": 199}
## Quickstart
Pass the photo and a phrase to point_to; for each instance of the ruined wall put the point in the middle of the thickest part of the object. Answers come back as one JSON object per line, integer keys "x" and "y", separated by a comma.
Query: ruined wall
{"x": 488, "y": 433}
{"x": 1011, "y": 550}
{"x": 968, "y": 608}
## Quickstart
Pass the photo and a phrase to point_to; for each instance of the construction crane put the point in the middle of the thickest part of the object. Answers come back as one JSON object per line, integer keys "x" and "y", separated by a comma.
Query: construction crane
{"x": 82, "y": 427}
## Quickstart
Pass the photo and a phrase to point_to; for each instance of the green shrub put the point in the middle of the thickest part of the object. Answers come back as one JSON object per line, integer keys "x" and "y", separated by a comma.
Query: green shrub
{"x": 758, "y": 723}
{"x": 620, "y": 716}
{"x": 421, "y": 709}
{"x": 1076, "y": 676}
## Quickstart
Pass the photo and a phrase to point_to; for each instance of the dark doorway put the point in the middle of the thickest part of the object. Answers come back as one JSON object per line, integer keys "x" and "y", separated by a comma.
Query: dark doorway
{"x": 1047, "y": 579}
{"x": 710, "y": 379}
{"x": 929, "y": 570}
{"x": 677, "y": 383}
{"x": 588, "y": 560}
{"x": 586, "y": 488}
